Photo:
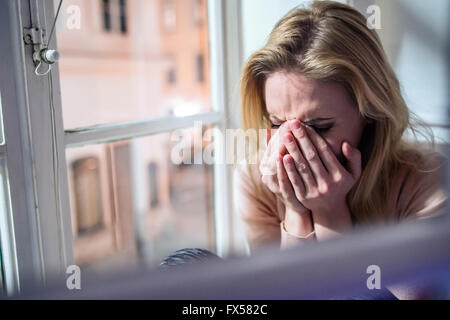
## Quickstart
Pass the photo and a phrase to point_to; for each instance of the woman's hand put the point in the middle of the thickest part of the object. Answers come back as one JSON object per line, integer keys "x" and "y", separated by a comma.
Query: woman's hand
{"x": 287, "y": 189}
{"x": 297, "y": 219}
{"x": 318, "y": 179}
{"x": 267, "y": 167}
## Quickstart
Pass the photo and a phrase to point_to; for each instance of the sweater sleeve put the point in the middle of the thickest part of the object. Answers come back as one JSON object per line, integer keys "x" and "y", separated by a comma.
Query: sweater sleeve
{"x": 257, "y": 209}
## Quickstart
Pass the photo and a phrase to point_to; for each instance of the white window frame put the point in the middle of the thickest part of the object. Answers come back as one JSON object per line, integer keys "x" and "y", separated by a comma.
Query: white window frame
{"x": 38, "y": 233}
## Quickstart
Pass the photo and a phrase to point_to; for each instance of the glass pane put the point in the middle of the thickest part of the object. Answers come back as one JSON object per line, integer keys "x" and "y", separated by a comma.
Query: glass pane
{"x": 132, "y": 60}
{"x": 140, "y": 200}
{"x": 2, "y": 135}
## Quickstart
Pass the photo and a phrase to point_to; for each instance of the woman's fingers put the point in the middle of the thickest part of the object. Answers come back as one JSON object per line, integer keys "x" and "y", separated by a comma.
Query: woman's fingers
{"x": 286, "y": 188}
{"x": 329, "y": 159}
{"x": 294, "y": 177}
{"x": 309, "y": 151}
{"x": 300, "y": 163}
{"x": 274, "y": 148}
{"x": 271, "y": 182}
{"x": 353, "y": 156}
{"x": 292, "y": 148}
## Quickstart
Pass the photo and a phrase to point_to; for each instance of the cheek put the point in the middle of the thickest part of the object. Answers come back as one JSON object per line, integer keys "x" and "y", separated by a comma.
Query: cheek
{"x": 354, "y": 133}
{"x": 335, "y": 145}
{"x": 351, "y": 134}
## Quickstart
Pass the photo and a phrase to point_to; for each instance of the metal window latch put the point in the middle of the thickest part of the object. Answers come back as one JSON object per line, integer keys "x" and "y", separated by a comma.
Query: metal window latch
{"x": 35, "y": 37}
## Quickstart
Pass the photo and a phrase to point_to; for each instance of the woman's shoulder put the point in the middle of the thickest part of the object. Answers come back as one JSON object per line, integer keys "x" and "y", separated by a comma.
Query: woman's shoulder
{"x": 424, "y": 166}
{"x": 429, "y": 157}
{"x": 422, "y": 191}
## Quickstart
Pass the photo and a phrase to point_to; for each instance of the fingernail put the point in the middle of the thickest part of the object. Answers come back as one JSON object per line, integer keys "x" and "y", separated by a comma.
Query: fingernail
{"x": 287, "y": 160}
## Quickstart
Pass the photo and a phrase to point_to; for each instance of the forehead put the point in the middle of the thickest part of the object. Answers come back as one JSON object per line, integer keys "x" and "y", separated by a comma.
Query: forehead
{"x": 291, "y": 95}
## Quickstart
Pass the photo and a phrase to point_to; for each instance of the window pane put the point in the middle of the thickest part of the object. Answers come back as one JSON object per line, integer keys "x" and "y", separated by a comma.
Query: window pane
{"x": 2, "y": 135}
{"x": 132, "y": 60}
{"x": 140, "y": 200}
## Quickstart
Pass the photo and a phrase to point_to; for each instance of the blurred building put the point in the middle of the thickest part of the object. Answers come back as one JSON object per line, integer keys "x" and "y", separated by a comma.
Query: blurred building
{"x": 131, "y": 60}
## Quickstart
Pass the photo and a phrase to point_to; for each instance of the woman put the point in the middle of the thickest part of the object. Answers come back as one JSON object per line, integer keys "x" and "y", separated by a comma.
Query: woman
{"x": 336, "y": 156}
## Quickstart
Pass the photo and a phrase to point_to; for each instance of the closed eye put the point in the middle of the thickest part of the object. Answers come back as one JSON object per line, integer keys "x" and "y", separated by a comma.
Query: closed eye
{"x": 274, "y": 126}
{"x": 322, "y": 129}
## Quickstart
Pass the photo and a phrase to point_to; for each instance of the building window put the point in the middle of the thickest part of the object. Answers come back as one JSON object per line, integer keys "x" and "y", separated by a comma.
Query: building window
{"x": 169, "y": 15}
{"x": 198, "y": 12}
{"x": 171, "y": 73}
{"x": 123, "y": 16}
{"x": 200, "y": 68}
{"x": 115, "y": 16}
{"x": 171, "y": 76}
{"x": 106, "y": 15}
{"x": 87, "y": 192}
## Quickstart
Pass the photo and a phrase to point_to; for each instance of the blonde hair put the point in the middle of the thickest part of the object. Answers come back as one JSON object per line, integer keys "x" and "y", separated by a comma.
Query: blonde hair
{"x": 330, "y": 41}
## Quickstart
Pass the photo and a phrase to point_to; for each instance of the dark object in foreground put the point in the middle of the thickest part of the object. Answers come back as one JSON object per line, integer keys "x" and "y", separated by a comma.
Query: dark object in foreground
{"x": 191, "y": 256}
{"x": 188, "y": 256}
{"x": 382, "y": 294}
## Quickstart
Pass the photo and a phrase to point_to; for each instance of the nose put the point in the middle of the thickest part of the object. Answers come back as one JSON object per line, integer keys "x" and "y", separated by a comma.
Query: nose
{"x": 289, "y": 118}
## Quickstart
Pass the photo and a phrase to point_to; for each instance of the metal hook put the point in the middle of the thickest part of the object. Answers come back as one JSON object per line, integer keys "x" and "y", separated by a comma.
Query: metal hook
{"x": 42, "y": 74}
